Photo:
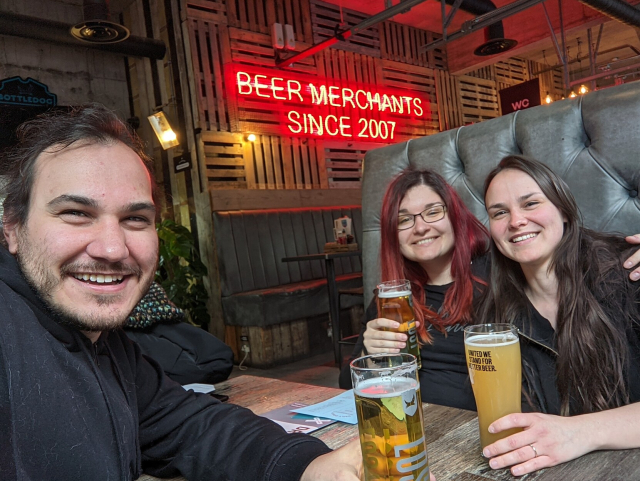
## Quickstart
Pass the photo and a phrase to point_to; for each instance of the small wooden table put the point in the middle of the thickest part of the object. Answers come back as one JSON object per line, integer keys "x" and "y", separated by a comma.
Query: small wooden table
{"x": 332, "y": 286}
{"x": 452, "y": 437}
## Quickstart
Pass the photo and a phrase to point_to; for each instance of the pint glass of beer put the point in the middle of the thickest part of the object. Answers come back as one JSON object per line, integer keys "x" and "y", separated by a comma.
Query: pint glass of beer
{"x": 390, "y": 421}
{"x": 394, "y": 302}
{"x": 493, "y": 359}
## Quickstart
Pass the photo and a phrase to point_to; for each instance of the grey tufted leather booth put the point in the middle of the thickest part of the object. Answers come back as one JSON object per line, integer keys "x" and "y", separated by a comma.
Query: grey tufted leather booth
{"x": 592, "y": 142}
{"x": 258, "y": 289}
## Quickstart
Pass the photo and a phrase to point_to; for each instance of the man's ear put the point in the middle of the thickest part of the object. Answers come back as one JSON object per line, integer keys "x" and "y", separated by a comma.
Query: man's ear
{"x": 10, "y": 232}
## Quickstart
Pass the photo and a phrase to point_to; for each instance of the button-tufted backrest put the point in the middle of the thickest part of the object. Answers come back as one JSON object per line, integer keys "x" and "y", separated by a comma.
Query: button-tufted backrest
{"x": 251, "y": 244}
{"x": 592, "y": 142}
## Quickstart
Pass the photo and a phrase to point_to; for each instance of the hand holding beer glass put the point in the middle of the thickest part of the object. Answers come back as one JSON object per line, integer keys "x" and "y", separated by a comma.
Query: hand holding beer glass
{"x": 493, "y": 359}
{"x": 394, "y": 302}
{"x": 390, "y": 420}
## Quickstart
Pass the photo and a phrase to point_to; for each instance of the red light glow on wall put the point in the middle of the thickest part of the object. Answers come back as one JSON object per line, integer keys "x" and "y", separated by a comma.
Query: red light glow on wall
{"x": 327, "y": 108}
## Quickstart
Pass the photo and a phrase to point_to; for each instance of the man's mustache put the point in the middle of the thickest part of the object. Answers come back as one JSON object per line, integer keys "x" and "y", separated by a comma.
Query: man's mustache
{"x": 113, "y": 268}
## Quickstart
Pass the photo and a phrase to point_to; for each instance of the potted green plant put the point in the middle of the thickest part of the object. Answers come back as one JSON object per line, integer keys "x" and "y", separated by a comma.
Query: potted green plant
{"x": 181, "y": 272}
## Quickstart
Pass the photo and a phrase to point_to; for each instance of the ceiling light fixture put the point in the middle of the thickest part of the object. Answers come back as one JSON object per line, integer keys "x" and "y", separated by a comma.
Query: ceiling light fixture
{"x": 96, "y": 26}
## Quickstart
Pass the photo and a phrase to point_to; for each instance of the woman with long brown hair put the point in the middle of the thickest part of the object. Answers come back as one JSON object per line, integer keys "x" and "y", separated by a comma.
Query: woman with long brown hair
{"x": 429, "y": 237}
{"x": 565, "y": 289}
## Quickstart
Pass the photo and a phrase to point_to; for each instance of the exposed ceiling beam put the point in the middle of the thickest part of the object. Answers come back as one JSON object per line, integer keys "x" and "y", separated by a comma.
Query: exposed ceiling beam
{"x": 344, "y": 34}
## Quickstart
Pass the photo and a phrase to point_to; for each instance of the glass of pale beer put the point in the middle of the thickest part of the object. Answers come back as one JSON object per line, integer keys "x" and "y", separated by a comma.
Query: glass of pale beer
{"x": 390, "y": 419}
{"x": 394, "y": 302}
{"x": 493, "y": 359}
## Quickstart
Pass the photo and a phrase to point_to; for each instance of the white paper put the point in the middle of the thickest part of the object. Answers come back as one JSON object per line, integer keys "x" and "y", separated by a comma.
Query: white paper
{"x": 341, "y": 408}
{"x": 197, "y": 387}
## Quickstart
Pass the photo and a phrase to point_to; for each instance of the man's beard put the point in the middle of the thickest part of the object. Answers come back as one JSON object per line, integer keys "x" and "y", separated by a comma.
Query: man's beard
{"x": 44, "y": 282}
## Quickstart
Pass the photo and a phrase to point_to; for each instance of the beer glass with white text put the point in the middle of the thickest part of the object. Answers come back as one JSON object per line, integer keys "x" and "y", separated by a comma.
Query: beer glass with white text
{"x": 390, "y": 419}
{"x": 493, "y": 359}
{"x": 394, "y": 302}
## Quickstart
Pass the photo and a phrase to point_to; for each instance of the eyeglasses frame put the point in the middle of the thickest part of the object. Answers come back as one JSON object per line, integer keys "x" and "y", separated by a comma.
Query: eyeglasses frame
{"x": 444, "y": 212}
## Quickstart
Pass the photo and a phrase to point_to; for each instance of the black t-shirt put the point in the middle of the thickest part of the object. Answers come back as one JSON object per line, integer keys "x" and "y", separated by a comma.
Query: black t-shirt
{"x": 444, "y": 378}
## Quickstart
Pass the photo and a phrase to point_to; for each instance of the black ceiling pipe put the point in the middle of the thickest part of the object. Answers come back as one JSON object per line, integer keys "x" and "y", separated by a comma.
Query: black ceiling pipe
{"x": 616, "y": 9}
{"x": 95, "y": 10}
{"x": 57, "y": 32}
{"x": 493, "y": 34}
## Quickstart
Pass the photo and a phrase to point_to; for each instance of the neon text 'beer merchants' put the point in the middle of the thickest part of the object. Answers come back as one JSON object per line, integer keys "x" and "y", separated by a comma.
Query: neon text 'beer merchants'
{"x": 328, "y": 108}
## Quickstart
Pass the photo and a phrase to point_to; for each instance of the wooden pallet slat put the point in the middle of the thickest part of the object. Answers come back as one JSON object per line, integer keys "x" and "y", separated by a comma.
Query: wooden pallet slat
{"x": 265, "y": 147}
{"x": 233, "y": 173}
{"x": 295, "y": 144}
{"x": 306, "y": 165}
{"x": 249, "y": 165}
{"x": 224, "y": 162}
{"x": 313, "y": 161}
{"x": 197, "y": 68}
{"x": 273, "y": 147}
{"x": 287, "y": 163}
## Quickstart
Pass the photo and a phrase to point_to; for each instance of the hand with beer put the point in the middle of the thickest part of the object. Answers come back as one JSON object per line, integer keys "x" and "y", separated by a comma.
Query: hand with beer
{"x": 381, "y": 336}
{"x": 395, "y": 302}
{"x": 546, "y": 440}
{"x": 344, "y": 464}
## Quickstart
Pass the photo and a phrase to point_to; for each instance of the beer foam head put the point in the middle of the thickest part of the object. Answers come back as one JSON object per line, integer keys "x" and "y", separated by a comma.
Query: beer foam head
{"x": 491, "y": 340}
{"x": 386, "y": 387}
{"x": 390, "y": 294}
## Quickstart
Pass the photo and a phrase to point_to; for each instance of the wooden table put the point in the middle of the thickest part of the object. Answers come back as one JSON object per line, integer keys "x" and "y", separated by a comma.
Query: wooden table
{"x": 332, "y": 287}
{"x": 452, "y": 437}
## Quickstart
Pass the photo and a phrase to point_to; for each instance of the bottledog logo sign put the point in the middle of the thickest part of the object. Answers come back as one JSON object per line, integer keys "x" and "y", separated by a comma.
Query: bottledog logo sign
{"x": 312, "y": 106}
{"x": 30, "y": 92}
{"x": 520, "y": 97}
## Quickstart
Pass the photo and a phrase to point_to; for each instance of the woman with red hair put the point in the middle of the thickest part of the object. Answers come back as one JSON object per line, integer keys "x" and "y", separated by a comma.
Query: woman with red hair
{"x": 429, "y": 237}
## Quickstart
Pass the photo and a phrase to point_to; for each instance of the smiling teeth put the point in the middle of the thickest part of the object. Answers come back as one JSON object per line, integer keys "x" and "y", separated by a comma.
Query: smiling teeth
{"x": 523, "y": 237}
{"x": 426, "y": 241}
{"x": 99, "y": 278}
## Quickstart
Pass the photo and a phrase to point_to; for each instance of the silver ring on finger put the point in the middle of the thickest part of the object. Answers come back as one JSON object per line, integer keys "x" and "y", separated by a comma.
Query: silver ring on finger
{"x": 535, "y": 451}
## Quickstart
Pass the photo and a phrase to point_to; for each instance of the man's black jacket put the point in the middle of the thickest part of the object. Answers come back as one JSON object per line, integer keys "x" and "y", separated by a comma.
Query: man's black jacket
{"x": 72, "y": 410}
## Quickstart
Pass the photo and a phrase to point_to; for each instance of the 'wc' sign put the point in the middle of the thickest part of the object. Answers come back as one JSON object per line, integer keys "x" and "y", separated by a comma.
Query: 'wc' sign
{"x": 30, "y": 92}
{"x": 520, "y": 97}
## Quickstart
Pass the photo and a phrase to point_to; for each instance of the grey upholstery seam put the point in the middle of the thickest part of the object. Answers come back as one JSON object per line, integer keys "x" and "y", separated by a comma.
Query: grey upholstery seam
{"x": 463, "y": 169}
{"x": 513, "y": 131}
{"x": 598, "y": 163}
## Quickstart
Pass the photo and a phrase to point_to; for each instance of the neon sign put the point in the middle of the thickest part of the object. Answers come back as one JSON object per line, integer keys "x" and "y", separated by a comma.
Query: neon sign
{"x": 327, "y": 108}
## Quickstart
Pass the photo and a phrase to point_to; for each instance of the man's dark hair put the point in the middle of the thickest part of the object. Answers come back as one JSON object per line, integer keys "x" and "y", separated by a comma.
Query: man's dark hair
{"x": 53, "y": 132}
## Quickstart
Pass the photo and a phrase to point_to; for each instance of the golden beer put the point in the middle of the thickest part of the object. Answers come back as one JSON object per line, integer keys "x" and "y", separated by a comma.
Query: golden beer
{"x": 394, "y": 302}
{"x": 390, "y": 421}
{"x": 493, "y": 359}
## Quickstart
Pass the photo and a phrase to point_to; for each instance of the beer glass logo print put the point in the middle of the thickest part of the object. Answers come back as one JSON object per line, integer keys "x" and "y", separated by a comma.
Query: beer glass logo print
{"x": 409, "y": 402}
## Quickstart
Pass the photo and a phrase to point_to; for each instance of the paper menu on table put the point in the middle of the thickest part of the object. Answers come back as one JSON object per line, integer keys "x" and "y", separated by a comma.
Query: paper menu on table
{"x": 341, "y": 408}
{"x": 197, "y": 387}
{"x": 294, "y": 422}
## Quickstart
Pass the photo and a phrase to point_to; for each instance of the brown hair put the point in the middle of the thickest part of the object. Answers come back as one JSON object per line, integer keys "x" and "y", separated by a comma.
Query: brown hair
{"x": 595, "y": 300}
{"x": 57, "y": 130}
